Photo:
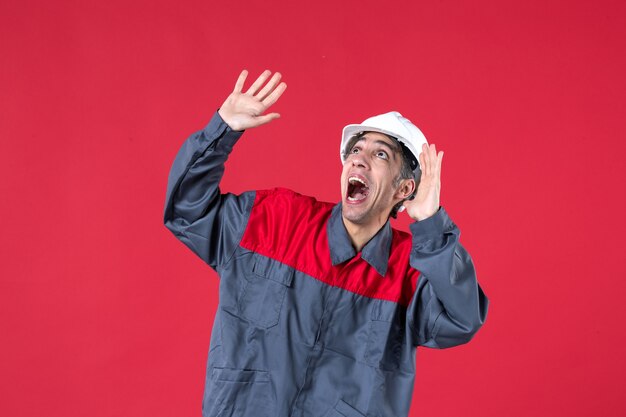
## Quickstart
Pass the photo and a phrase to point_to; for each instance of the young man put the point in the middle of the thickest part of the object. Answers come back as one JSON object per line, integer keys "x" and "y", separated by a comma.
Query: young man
{"x": 322, "y": 305}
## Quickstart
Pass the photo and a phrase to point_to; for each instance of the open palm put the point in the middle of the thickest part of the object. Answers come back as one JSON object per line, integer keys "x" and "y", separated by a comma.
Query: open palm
{"x": 426, "y": 201}
{"x": 246, "y": 110}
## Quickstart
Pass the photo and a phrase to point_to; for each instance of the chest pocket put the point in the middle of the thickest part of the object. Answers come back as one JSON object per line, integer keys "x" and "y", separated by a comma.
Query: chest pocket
{"x": 263, "y": 293}
{"x": 386, "y": 336}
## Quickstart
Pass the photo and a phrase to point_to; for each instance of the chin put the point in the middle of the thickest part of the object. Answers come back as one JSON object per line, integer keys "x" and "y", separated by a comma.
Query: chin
{"x": 354, "y": 216}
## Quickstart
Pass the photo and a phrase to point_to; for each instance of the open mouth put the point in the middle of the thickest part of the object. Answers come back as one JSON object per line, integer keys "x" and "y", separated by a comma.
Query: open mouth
{"x": 357, "y": 189}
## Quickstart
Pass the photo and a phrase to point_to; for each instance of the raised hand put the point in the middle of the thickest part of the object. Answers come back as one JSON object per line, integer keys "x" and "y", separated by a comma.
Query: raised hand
{"x": 426, "y": 201}
{"x": 245, "y": 110}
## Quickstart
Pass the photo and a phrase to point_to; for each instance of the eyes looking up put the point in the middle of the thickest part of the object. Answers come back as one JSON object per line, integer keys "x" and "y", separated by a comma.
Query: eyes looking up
{"x": 356, "y": 149}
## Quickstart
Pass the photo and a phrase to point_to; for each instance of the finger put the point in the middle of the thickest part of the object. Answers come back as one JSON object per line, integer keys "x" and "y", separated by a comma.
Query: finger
{"x": 240, "y": 81}
{"x": 432, "y": 154}
{"x": 422, "y": 161}
{"x": 259, "y": 82}
{"x": 275, "y": 95}
{"x": 266, "y": 118}
{"x": 425, "y": 150}
{"x": 269, "y": 86}
{"x": 433, "y": 158}
{"x": 439, "y": 160}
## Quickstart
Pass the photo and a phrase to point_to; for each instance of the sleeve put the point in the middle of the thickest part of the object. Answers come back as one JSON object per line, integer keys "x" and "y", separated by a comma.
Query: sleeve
{"x": 448, "y": 306}
{"x": 209, "y": 223}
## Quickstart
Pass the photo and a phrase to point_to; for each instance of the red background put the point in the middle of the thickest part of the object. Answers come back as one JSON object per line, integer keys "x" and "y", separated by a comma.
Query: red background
{"x": 104, "y": 313}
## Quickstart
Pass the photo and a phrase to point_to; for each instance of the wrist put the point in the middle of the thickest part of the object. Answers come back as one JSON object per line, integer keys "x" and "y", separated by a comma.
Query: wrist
{"x": 424, "y": 216}
{"x": 434, "y": 225}
{"x": 420, "y": 216}
{"x": 226, "y": 117}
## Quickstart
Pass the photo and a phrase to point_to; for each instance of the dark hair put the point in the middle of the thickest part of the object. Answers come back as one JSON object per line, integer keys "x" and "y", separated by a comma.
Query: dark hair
{"x": 406, "y": 172}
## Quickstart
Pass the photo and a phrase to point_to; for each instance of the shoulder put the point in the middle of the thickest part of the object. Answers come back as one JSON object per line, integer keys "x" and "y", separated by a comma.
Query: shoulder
{"x": 285, "y": 200}
{"x": 282, "y": 221}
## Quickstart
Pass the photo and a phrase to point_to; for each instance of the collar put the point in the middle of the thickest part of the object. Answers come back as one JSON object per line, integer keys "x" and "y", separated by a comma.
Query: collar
{"x": 375, "y": 252}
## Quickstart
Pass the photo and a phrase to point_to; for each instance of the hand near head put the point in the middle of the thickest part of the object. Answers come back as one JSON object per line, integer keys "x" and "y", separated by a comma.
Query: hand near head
{"x": 245, "y": 110}
{"x": 426, "y": 201}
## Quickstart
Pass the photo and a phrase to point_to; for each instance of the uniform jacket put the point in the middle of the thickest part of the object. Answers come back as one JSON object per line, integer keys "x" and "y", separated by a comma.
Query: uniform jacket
{"x": 307, "y": 327}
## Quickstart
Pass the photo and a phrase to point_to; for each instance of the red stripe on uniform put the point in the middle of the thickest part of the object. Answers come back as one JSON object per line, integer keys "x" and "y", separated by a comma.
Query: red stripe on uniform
{"x": 291, "y": 228}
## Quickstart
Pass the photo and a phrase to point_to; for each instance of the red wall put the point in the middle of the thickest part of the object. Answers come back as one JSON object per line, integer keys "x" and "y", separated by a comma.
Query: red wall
{"x": 104, "y": 313}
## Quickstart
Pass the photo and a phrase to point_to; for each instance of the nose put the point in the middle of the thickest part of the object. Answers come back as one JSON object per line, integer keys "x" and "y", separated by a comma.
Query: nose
{"x": 360, "y": 161}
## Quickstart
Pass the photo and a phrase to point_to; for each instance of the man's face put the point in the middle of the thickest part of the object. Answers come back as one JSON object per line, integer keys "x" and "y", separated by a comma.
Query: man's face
{"x": 367, "y": 189}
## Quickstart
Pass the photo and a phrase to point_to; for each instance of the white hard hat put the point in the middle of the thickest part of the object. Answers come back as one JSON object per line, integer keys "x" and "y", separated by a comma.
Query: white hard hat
{"x": 392, "y": 124}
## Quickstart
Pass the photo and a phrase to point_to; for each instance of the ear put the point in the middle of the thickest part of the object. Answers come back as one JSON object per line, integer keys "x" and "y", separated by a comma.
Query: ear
{"x": 406, "y": 188}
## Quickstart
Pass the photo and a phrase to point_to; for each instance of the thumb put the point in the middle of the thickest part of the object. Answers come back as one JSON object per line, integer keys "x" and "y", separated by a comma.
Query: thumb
{"x": 406, "y": 203}
{"x": 266, "y": 118}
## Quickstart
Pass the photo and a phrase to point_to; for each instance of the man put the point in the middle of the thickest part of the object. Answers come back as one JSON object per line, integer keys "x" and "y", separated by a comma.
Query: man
{"x": 322, "y": 305}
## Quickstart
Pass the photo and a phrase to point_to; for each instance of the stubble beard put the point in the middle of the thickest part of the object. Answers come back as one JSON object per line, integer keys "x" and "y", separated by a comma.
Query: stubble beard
{"x": 361, "y": 217}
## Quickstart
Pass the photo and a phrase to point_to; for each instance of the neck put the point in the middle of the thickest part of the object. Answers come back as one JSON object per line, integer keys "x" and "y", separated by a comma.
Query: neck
{"x": 360, "y": 234}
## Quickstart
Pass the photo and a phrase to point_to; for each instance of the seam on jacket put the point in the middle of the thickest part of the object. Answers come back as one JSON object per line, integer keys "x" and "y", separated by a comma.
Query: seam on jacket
{"x": 373, "y": 294}
{"x": 415, "y": 330}
{"x": 395, "y": 371}
{"x": 183, "y": 232}
{"x": 198, "y": 153}
{"x": 435, "y": 329}
{"x": 248, "y": 210}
